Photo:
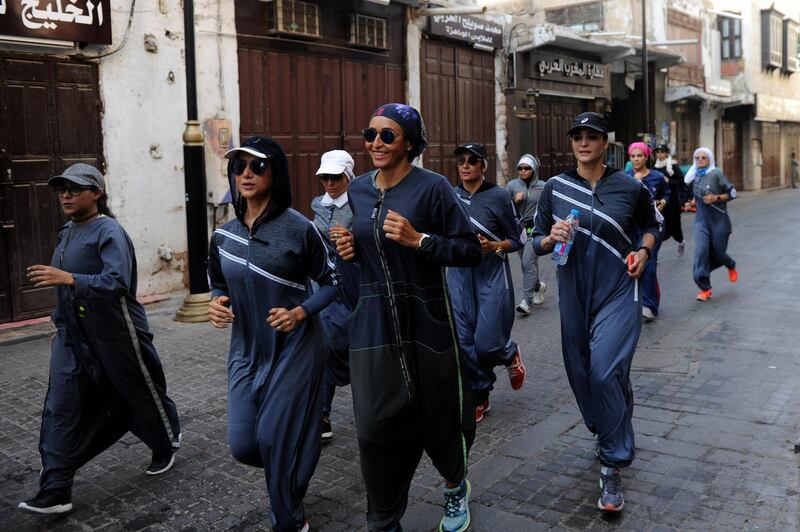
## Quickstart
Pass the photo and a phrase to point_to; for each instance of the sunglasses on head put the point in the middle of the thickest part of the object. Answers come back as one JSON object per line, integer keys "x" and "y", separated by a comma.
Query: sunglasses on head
{"x": 473, "y": 160}
{"x": 524, "y": 168}
{"x": 387, "y": 135}
{"x": 330, "y": 177}
{"x": 257, "y": 166}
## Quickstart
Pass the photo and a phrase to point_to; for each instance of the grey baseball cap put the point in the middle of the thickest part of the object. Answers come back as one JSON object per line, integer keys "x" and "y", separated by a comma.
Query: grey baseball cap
{"x": 81, "y": 174}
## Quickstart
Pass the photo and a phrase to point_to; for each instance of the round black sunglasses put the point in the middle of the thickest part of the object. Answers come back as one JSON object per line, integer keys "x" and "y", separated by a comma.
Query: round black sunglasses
{"x": 387, "y": 135}
{"x": 257, "y": 166}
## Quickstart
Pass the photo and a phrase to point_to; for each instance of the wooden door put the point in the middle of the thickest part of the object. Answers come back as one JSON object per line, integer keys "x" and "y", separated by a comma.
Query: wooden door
{"x": 771, "y": 155}
{"x": 732, "y": 153}
{"x": 311, "y": 104}
{"x": 457, "y": 104}
{"x": 792, "y": 135}
{"x": 49, "y": 119}
{"x": 551, "y": 144}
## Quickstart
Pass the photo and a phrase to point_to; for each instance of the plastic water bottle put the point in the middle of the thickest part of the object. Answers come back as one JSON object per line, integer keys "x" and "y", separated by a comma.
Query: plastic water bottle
{"x": 561, "y": 251}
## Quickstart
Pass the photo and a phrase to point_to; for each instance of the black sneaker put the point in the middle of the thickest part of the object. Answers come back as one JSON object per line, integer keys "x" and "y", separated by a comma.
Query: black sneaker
{"x": 327, "y": 429}
{"x": 48, "y": 502}
{"x": 160, "y": 465}
{"x": 612, "y": 496}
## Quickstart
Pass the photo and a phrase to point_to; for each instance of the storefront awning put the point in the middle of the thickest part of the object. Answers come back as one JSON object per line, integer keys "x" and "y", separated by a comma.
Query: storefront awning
{"x": 660, "y": 57}
{"x": 561, "y": 37}
{"x": 690, "y": 92}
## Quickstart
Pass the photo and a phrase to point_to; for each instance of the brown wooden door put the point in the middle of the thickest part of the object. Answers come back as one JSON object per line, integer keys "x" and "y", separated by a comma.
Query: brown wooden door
{"x": 49, "y": 119}
{"x": 732, "y": 153}
{"x": 792, "y": 134}
{"x": 771, "y": 155}
{"x": 551, "y": 144}
{"x": 311, "y": 104}
{"x": 457, "y": 104}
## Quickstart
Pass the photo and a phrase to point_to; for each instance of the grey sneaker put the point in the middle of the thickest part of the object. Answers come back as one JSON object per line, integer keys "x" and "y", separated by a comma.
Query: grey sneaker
{"x": 538, "y": 295}
{"x": 612, "y": 496}
{"x": 681, "y": 249}
{"x": 648, "y": 315}
{"x": 523, "y": 308}
{"x": 456, "y": 508}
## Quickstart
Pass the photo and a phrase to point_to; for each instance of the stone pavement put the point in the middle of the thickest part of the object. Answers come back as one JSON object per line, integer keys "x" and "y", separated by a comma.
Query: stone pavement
{"x": 716, "y": 389}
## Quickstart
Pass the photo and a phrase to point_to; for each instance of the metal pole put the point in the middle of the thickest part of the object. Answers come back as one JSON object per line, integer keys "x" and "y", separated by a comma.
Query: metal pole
{"x": 195, "y": 306}
{"x": 645, "y": 80}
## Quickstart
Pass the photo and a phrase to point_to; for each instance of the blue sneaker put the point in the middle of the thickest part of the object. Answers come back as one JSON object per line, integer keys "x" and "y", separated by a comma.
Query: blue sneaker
{"x": 612, "y": 496}
{"x": 456, "y": 508}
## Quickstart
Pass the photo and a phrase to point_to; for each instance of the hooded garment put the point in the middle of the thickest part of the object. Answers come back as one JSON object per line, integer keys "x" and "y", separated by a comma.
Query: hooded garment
{"x": 274, "y": 378}
{"x": 531, "y": 189}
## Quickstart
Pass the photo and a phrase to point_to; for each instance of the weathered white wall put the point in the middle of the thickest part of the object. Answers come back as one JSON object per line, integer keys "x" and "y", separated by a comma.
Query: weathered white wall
{"x": 144, "y": 97}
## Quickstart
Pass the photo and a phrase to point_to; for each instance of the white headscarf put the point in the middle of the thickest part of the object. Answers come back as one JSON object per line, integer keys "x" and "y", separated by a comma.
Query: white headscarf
{"x": 531, "y": 161}
{"x": 692, "y": 173}
{"x": 667, "y": 163}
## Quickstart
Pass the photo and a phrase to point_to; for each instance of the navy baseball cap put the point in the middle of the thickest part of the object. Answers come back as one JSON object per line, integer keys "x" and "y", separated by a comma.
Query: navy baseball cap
{"x": 81, "y": 174}
{"x": 662, "y": 147}
{"x": 591, "y": 121}
{"x": 473, "y": 147}
{"x": 257, "y": 146}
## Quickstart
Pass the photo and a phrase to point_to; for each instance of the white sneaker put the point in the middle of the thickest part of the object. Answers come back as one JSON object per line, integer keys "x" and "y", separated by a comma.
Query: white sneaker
{"x": 538, "y": 295}
{"x": 648, "y": 315}
{"x": 523, "y": 308}
{"x": 681, "y": 248}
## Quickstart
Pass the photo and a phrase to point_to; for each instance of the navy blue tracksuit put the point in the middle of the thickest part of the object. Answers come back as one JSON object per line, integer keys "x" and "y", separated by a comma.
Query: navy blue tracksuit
{"x": 601, "y": 312}
{"x": 483, "y": 297}
{"x": 712, "y": 226}
{"x": 410, "y": 392}
{"x": 105, "y": 375}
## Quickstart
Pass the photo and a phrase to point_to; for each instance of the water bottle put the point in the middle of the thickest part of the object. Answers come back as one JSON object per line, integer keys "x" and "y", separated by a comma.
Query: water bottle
{"x": 561, "y": 251}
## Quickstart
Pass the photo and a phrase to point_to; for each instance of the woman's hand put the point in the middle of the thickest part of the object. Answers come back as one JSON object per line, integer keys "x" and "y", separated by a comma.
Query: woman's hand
{"x": 283, "y": 320}
{"x": 519, "y": 196}
{"x": 560, "y": 231}
{"x": 41, "y": 275}
{"x": 636, "y": 263}
{"x": 487, "y": 246}
{"x": 710, "y": 198}
{"x": 344, "y": 241}
{"x": 400, "y": 230}
{"x": 219, "y": 312}
{"x": 660, "y": 204}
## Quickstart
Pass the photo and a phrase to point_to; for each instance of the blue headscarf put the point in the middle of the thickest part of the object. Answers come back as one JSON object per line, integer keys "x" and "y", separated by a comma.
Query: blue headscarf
{"x": 410, "y": 121}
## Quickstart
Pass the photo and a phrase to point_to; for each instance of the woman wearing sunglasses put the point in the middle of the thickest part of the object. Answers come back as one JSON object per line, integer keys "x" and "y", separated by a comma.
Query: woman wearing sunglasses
{"x": 483, "y": 297}
{"x": 332, "y": 215}
{"x": 525, "y": 191}
{"x": 410, "y": 393}
{"x": 261, "y": 265}
{"x": 656, "y": 183}
{"x": 598, "y": 290}
{"x": 105, "y": 375}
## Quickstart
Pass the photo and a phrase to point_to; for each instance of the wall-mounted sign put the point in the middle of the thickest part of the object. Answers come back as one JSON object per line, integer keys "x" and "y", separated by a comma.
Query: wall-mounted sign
{"x": 86, "y": 21}
{"x": 567, "y": 69}
{"x": 466, "y": 28}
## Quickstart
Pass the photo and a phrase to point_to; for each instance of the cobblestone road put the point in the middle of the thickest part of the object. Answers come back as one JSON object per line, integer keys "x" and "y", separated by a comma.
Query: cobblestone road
{"x": 716, "y": 387}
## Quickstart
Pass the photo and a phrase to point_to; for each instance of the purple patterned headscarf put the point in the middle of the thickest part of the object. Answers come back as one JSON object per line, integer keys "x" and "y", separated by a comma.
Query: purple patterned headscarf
{"x": 410, "y": 121}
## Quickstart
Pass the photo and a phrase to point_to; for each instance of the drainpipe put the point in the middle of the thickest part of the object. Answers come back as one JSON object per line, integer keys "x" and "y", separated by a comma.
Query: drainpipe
{"x": 195, "y": 305}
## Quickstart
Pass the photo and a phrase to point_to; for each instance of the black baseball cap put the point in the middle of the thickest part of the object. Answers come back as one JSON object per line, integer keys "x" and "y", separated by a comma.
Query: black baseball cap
{"x": 662, "y": 147}
{"x": 591, "y": 121}
{"x": 257, "y": 146}
{"x": 473, "y": 147}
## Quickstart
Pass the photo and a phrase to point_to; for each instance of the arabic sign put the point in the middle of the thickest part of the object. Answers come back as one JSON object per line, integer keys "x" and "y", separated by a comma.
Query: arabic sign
{"x": 466, "y": 28}
{"x": 66, "y": 20}
{"x": 567, "y": 70}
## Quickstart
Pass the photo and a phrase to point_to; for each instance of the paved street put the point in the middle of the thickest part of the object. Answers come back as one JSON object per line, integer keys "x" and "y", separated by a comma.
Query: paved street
{"x": 716, "y": 388}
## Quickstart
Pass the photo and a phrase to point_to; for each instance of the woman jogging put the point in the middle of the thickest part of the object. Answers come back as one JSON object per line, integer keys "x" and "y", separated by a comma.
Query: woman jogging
{"x": 105, "y": 375}
{"x": 410, "y": 392}
{"x": 261, "y": 265}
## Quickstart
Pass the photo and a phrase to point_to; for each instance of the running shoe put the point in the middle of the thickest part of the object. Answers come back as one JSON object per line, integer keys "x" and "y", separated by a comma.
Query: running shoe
{"x": 538, "y": 295}
{"x": 456, "y": 508}
{"x": 481, "y": 410}
{"x": 648, "y": 315}
{"x": 48, "y": 502}
{"x": 681, "y": 249}
{"x": 523, "y": 308}
{"x": 612, "y": 496}
{"x": 704, "y": 295}
{"x": 160, "y": 464}
{"x": 306, "y": 527}
{"x": 327, "y": 429}
{"x": 733, "y": 275}
{"x": 516, "y": 371}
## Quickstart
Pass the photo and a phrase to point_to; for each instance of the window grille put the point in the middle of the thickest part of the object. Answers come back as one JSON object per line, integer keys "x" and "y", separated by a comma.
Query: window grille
{"x": 368, "y": 32}
{"x": 293, "y": 17}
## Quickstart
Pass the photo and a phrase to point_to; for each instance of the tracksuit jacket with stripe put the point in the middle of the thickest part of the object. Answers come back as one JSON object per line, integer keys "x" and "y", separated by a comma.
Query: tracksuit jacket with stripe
{"x": 601, "y": 312}
{"x": 105, "y": 375}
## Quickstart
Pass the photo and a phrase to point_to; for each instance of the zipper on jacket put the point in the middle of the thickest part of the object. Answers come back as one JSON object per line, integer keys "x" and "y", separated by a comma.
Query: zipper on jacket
{"x": 376, "y": 217}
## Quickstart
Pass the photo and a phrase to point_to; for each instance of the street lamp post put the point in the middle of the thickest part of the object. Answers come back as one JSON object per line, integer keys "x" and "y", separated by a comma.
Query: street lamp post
{"x": 645, "y": 80}
{"x": 530, "y": 104}
{"x": 195, "y": 305}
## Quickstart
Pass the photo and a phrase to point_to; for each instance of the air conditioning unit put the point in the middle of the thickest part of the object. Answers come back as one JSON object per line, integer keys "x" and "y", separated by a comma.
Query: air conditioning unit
{"x": 368, "y": 32}
{"x": 294, "y": 18}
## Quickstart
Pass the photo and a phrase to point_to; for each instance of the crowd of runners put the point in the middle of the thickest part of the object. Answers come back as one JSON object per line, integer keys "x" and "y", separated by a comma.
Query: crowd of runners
{"x": 400, "y": 287}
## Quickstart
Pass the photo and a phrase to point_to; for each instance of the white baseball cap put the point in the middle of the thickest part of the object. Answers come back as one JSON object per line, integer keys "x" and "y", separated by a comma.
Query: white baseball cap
{"x": 336, "y": 162}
